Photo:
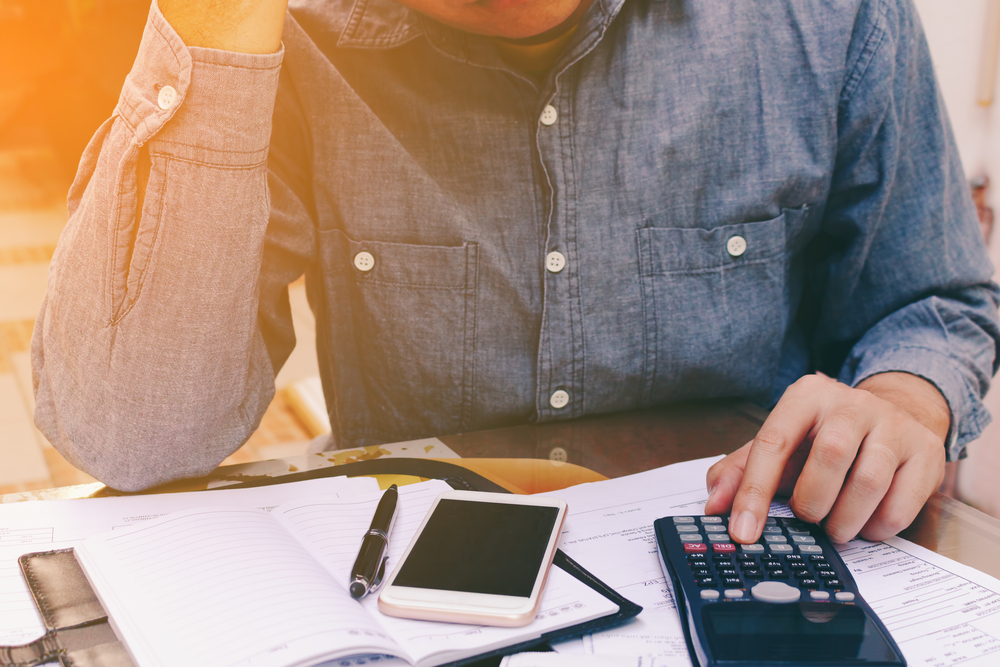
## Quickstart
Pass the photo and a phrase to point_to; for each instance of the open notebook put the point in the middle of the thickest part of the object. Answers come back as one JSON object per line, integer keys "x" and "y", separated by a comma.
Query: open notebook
{"x": 245, "y": 587}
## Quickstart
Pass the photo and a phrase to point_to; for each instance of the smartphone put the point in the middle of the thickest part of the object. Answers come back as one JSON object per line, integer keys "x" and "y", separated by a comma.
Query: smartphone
{"x": 477, "y": 558}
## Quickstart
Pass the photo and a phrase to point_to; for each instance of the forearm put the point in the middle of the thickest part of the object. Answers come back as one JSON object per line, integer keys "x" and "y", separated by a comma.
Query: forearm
{"x": 148, "y": 360}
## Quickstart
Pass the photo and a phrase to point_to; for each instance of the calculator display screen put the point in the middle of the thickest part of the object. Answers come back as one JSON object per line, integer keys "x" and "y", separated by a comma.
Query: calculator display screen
{"x": 480, "y": 547}
{"x": 806, "y": 632}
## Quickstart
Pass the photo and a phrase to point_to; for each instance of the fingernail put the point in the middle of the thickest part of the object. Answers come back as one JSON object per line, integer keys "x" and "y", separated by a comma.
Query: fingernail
{"x": 745, "y": 528}
{"x": 711, "y": 492}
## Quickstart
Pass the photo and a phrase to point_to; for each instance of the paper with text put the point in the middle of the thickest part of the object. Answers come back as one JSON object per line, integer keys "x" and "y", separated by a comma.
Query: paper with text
{"x": 941, "y": 613}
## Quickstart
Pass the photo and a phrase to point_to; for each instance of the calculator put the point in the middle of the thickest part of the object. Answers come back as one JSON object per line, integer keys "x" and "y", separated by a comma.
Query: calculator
{"x": 786, "y": 600}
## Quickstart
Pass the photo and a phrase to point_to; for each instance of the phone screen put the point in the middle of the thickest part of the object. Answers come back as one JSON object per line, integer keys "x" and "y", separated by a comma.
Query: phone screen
{"x": 480, "y": 547}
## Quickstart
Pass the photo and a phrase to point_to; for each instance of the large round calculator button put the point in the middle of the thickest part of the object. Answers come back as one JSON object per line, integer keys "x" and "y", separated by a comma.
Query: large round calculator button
{"x": 709, "y": 595}
{"x": 844, "y": 597}
{"x": 775, "y": 592}
{"x": 819, "y": 595}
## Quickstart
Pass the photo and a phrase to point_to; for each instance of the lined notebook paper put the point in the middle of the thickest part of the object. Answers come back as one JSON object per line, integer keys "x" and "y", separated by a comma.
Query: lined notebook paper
{"x": 237, "y": 586}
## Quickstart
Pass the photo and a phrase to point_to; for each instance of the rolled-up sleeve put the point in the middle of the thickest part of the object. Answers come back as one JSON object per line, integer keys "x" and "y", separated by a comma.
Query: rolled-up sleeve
{"x": 900, "y": 268}
{"x": 148, "y": 360}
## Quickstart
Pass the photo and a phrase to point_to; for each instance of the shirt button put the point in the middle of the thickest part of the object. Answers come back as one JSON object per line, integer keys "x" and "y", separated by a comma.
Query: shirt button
{"x": 737, "y": 245}
{"x": 559, "y": 399}
{"x": 364, "y": 261}
{"x": 555, "y": 262}
{"x": 549, "y": 115}
{"x": 167, "y": 97}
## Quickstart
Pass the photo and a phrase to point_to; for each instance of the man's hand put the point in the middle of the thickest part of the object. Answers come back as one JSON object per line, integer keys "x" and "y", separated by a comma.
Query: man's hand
{"x": 861, "y": 460}
{"x": 244, "y": 26}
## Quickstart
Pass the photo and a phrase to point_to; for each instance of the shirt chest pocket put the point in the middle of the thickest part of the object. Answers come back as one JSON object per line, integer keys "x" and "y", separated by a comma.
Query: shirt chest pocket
{"x": 400, "y": 336}
{"x": 716, "y": 308}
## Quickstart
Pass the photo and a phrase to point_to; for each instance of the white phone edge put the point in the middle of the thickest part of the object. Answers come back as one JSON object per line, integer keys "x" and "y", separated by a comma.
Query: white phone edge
{"x": 472, "y": 608}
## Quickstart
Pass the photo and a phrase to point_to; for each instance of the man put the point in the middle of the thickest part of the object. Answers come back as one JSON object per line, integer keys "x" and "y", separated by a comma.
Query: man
{"x": 513, "y": 210}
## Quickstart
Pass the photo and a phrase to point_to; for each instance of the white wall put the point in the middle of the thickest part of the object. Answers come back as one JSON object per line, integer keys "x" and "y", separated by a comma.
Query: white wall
{"x": 956, "y": 31}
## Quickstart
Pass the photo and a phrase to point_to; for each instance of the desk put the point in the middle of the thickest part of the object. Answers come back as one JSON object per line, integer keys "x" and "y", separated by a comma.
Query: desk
{"x": 562, "y": 453}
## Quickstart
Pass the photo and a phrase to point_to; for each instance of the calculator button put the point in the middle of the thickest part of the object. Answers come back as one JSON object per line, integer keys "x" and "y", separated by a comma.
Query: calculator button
{"x": 722, "y": 558}
{"x": 709, "y": 594}
{"x": 753, "y": 548}
{"x": 748, "y": 564}
{"x": 683, "y": 519}
{"x": 777, "y": 574}
{"x": 810, "y": 549}
{"x": 719, "y": 537}
{"x": 733, "y": 593}
{"x": 765, "y": 557}
{"x": 726, "y": 572}
{"x": 803, "y": 539}
{"x": 775, "y": 591}
{"x": 771, "y": 539}
{"x": 817, "y": 559}
{"x": 841, "y": 597}
{"x": 690, "y": 537}
{"x": 780, "y": 548}
{"x": 833, "y": 583}
{"x": 724, "y": 548}
{"x": 706, "y": 582}
{"x": 753, "y": 574}
{"x": 712, "y": 528}
{"x": 792, "y": 530}
{"x": 793, "y": 558}
{"x": 701, "y": 571}
{"x": 808, "y": 583}
{"x": 732, "y": 582}
{"x": 770, "y": 521}
{"x": 710, "y": 519}
{"x": 694, "y": 548}
{"x": 827, "y": 574}
{"x": 772, "y": 530}
{"x": 686, "y": 528}
{"x": 773, "y": 565}
{"x": 694, "y": 557}
{"x": 798, "y": 568}
{"x": 791, "y": 521}
{"x": 802, "y": 574}
{"x": 815, "y": 595}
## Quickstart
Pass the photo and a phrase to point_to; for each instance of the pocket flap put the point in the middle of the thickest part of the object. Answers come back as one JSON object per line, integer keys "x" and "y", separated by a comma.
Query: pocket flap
{"x": 406, "y": 264}
{"x": 670, "y": 249}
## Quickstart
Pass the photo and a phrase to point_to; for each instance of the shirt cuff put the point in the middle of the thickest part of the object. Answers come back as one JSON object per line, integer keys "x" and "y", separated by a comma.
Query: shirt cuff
{"x": 968, "y": 415}
{"x": 199, "y": 104}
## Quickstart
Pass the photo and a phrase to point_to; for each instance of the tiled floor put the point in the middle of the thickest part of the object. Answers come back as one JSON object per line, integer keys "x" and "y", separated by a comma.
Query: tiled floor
{"x": 32, "y": 215}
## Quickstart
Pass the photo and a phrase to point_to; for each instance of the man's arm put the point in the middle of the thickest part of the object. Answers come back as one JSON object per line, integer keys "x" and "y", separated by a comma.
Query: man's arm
{"x": 898, "y": 305}
{"x": 148, "y": 357}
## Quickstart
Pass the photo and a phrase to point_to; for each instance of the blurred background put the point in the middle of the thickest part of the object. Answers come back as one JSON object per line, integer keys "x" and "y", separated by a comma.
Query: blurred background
{"x": 63, "y": 66}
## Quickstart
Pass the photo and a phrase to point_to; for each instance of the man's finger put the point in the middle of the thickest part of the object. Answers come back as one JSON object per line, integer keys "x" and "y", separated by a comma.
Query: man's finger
{"x": 835, "y": 445}
{"x": 864, "y": 490}
{"x": 723, "y": 480}
{"x": 785, "y": 428}
{"x": 913, "y": 484}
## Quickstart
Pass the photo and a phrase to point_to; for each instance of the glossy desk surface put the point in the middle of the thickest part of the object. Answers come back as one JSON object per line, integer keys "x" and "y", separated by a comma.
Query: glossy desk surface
{"x": 544, "y": 456}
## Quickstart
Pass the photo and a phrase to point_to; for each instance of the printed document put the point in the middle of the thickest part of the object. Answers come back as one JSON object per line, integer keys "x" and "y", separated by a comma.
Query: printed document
{"x": 941, "y": 613}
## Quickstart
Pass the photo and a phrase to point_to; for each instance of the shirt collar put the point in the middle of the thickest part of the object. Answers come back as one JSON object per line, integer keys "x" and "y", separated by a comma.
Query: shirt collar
{"x": 385, "y": 24}
{"x": 380, "y": 24}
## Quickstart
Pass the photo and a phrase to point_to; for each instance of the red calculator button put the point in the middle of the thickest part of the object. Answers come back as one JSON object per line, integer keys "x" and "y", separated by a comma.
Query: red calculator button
{"x": 695, "y": 548}
{"x": 724, "y": 548}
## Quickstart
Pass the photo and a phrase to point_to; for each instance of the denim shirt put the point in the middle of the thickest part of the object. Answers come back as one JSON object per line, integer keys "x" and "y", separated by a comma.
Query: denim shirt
{"x": 700, "y": 199}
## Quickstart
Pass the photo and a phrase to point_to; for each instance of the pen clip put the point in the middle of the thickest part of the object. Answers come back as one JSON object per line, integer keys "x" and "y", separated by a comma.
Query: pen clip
{"x": 377, "y": 581}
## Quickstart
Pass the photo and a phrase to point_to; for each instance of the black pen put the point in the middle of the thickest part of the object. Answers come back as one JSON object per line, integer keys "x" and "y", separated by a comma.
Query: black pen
{"x": 369, "y": 568}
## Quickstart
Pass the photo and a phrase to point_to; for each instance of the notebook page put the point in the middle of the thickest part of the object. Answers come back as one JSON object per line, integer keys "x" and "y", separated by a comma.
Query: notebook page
{"x": 332, "y": 530}
{"x": 224, "y": 587}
